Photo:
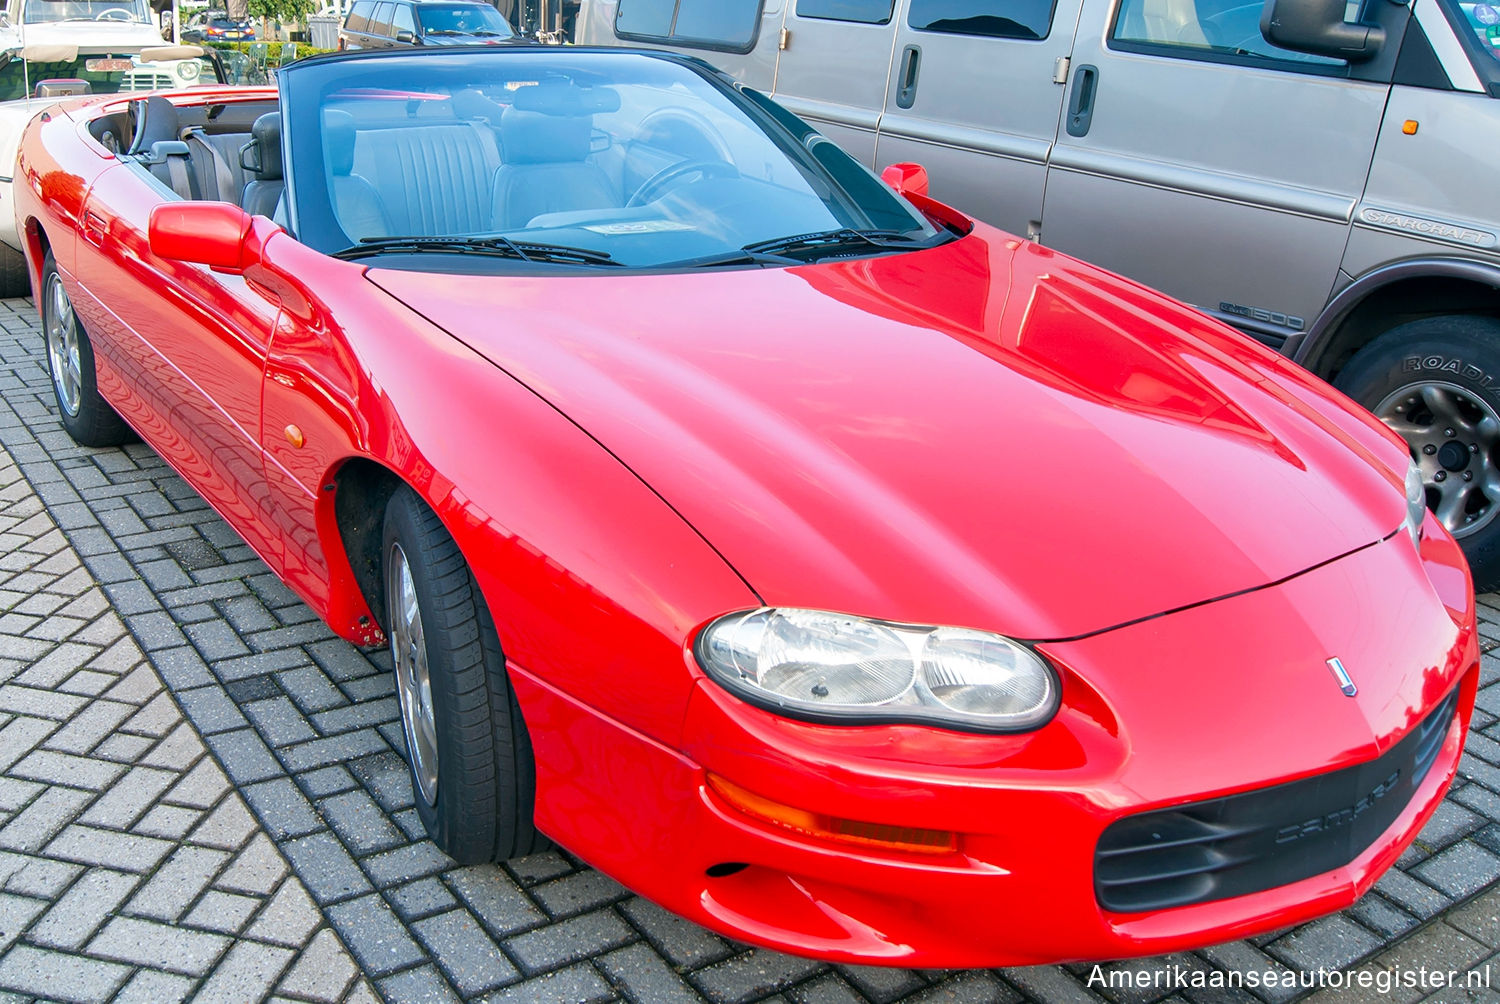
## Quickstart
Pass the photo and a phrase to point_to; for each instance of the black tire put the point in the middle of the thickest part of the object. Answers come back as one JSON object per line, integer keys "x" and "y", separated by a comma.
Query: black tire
{"x": 15, "y": 278}
{"x": 485, "y": 778}
{"x": 89, "y": 420}
{"x": 1424, "y": 378}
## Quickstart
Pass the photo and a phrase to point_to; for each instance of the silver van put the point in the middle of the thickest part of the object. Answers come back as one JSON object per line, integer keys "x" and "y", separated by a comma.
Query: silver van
{"x": 1323, "y": 174}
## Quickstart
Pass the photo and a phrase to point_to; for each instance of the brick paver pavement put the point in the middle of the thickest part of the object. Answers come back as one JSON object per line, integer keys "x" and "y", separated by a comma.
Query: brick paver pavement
{"x": 118, "y": 869}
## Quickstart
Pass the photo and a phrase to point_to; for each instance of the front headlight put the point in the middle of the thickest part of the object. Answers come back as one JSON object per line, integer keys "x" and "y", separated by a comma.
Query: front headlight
{"x": 1416, "y": 503}
{"x": 836, "y": 667}
{"x": 188, "y": 69}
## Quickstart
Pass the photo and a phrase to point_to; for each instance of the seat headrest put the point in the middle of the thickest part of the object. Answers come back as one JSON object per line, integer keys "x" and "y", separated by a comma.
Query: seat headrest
{"x": 338, "y": 139}
{"x": 561, "y": 97}
{"x": 531, "y": 138}
{"x": 262, "y": 155}
{"x": 152, "y": 120}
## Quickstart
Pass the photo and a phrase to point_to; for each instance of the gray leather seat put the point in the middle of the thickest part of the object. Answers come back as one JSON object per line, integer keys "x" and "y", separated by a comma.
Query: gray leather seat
{"x": 546, "y": 136}
{"x": 433, "y": 178}
{"x": 154, "y": 120}
{"x": 359, "y": 208}
{"x": 261, "y": 159}
{"x": 216, "y": 163}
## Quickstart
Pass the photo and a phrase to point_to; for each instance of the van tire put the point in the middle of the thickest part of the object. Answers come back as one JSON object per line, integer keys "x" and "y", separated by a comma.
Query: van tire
{"x": 15, "y": 277}
{"x": 1424, "y": 378}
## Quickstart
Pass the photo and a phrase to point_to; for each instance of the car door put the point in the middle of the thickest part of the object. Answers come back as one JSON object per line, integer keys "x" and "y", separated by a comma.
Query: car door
{"x": 835, "y": 66}
{"x": 194, "y": 345}
{"x": 972, "y": 97}
{"x": 1200, "y": 159}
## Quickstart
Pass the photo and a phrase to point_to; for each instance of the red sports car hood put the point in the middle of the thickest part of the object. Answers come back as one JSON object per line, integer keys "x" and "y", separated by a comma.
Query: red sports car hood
{"x": 986, "y": 434}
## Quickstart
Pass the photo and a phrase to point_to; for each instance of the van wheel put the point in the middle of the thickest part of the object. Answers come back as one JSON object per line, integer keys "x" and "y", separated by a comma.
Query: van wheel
{"x": 1437, "y": 383}
{"x": 70, "y": 361}
{"x": 14, "y": 278}
{"x": 470, "y": 755}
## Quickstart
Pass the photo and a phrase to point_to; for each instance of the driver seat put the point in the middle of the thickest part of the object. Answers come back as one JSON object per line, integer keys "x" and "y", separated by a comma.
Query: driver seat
{"x": 546, "y": 138}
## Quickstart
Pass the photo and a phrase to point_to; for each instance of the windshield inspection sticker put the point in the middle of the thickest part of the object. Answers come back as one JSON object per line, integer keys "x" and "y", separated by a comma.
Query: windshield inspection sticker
{"x": 1485, "y": 14}
{"x": 639, "y": 227}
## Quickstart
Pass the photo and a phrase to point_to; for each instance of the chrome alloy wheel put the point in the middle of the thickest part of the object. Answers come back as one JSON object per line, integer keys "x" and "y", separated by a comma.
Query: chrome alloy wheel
{"x": 1455, "y": 438}
{"x": 62, "y": 346}
{"x": 413, "y": 678}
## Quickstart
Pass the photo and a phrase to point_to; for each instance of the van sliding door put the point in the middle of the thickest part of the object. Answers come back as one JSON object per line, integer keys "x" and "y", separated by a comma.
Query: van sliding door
{"x": 835, "y": 68}
{"x": 972, "y": 97}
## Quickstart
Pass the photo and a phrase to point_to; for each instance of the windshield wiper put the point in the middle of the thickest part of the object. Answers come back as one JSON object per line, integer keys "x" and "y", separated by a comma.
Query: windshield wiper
{"x": 739, "y": 256}
{"x": 836, "y": 240}
{"x": 496, "y": 246}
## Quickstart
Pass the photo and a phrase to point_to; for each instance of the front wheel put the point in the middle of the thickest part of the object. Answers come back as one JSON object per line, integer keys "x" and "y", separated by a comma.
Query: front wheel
{"x": 467, "y": 745}
{"x": 1436, "y": 382}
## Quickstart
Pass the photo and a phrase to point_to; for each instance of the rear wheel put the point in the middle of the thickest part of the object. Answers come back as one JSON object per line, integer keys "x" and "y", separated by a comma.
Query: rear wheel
{"x": 1436, "y": 382}
{"x": 70, "y": 360}
{"x": 470, "y": 755}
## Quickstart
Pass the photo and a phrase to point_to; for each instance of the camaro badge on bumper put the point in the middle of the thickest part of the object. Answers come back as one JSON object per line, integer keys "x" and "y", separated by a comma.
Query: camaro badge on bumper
{"x": 1346, "y": 682}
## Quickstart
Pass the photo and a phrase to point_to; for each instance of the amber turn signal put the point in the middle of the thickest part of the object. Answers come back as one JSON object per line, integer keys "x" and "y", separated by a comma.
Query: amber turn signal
{"x": 910, "y": 839}
{"x": 294, "y": 436}
{"x": 1409, "y": 127}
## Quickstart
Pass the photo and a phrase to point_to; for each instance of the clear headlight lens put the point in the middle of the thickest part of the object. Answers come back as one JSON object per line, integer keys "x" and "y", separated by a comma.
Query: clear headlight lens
{"x": 1416, "y": 503}
{"x": 826, "y": 666}
{"x": 188, "y": 69}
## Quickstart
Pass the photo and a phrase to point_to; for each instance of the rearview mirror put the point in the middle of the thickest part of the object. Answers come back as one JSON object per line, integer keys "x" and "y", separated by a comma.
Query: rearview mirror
{"x": 906, "y": 179}
{"x": 205, "y": 233}
{"x": 1318, "y": 27}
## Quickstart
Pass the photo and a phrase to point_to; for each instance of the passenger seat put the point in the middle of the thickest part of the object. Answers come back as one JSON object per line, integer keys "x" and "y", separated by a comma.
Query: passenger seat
{"x": 356, "y": 203}
{"x": 261, "y": 158}
{"x": 547, "y": 136}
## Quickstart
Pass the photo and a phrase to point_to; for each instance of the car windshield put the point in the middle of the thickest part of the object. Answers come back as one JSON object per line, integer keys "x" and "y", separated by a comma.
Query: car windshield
{"x": 461, "y": 19}
{"x": 41, "y": 11}
{"x": 107, "y": 74}
{"x": 1483, "y": 20}
{"x": 617, "y": 158}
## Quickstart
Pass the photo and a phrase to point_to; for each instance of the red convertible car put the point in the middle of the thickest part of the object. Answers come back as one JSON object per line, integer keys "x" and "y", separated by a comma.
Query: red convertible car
{"x": 841, "y": 573}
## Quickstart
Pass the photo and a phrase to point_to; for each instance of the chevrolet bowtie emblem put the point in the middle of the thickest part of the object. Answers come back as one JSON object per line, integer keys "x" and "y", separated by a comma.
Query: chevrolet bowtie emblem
{"x": 1346, "y": 682}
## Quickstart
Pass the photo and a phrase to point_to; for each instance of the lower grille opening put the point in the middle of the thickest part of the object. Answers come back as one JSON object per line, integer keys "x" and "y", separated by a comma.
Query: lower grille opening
{"x": 1261, "y": 839}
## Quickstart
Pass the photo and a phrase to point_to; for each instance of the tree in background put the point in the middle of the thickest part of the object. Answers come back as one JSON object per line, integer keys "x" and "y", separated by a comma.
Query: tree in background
{"x": 239, "y": 10}
{"x": 285, "y": 11}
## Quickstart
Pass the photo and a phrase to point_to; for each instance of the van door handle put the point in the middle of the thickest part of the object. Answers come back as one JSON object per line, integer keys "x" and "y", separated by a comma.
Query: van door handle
{"x": 911, "y": 61}
{"x": 1081, "y": 103}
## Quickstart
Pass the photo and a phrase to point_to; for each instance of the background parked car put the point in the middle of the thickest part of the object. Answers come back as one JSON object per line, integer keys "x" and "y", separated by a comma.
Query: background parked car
{"x": 217, "y": 26}
{"x": 386, "y": 24}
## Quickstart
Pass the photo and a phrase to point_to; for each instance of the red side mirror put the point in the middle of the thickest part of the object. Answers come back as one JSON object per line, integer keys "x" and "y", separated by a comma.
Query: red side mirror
{"x": 206, "y": 233}
{"x": 906, "y": 178}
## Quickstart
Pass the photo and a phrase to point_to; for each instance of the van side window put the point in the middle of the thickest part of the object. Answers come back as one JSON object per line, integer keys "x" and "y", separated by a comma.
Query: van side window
{"x": 359, "y": 16}
{"x": 1029, "y": 19}
{"x": 732, "y": 25}
{"x": 1205, "y": 28}
{"x": 862, "y": 11}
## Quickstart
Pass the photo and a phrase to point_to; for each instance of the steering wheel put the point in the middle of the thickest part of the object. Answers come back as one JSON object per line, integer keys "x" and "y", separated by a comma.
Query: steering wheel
{"x": 104, "y": 15}
{"x": 653, "y": 186}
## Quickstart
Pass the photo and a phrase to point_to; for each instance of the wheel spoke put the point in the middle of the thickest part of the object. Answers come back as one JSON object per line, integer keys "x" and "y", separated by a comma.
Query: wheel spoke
{"x": 1451, "y": 509}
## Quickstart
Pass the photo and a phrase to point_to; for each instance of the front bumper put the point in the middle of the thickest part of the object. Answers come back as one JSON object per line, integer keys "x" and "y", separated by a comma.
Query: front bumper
{"x": 1226, "y": 697}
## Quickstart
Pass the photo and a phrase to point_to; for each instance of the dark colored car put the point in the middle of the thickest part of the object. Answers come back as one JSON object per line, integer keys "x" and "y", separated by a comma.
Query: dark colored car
{"x": 387, "y": 24}
{"x": 218, "y": 28}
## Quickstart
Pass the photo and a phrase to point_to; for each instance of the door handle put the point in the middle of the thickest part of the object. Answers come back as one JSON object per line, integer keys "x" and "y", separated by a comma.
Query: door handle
{"x": 1081, "y": 103}
{"x": 911, "y": 61}
{"x": 94, "y": 228}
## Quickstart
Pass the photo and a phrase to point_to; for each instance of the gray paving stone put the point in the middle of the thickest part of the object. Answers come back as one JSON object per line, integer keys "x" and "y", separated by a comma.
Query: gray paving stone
{"x": 227, "y": 827}
{"x": 42, "y": 819}
{"x": 247, "y": 973}
{"x": 330, "y": 873}
{"x": 289, "y": 918}
{"x": 210, "y": 709}
{"x": 1462, "y": 869}
{"x": 1332, "y": 943}
{"x": 282, "y": 808}
{"x": 359, "y": 822}
{"x": 244, "y": 756}
{"x": 160, "y": 946}
{"x": 465, "y": 952}
{"x": 642, "y": 975}
{"x": 685, "y": 944}
{"x": 578, "y": 893}
{"x": 129, "y": 798}
{"x": 500, "y": 906}
{"x": 323, "y": 970}
{"x": 421, "y": 898}
{"x": 279, "y": 722}
{"x": 222, "y": 912}
{"x": 59, "y": 977}
{"x": 420, "y": 986}
{"x": 568, "y": 941}
{"x": 149, "y": 986}
{"x": 73, "y": 919}
{"x": 579, "y": 984}
{"x": 406, "y": 863}
{"x": 377, "y": 938}
{"x": 91, "y": 846}
{"x": 179, "y": 881}
{"x": 255, "y": 870}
